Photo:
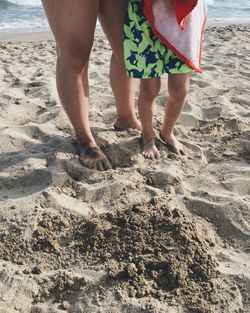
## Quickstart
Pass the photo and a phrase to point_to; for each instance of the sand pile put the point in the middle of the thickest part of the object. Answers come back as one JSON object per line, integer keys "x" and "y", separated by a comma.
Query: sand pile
{"x": 148, "y": 250}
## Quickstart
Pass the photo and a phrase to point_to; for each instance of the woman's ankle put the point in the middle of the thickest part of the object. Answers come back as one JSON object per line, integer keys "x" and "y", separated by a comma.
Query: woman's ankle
{"x": 86, "y": 139}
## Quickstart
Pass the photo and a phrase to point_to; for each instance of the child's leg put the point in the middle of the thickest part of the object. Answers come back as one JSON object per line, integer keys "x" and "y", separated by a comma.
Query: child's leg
{"x": 149, "y": 89}
{"x": 178, "y": 86}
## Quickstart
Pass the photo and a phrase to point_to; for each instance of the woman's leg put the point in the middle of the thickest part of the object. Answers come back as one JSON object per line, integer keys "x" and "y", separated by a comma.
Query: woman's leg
{"x": 112, "y": 16}
{"x": 73, "y": 25}
{"x": 149, "y": 90}
{"x": 178, "y": 87}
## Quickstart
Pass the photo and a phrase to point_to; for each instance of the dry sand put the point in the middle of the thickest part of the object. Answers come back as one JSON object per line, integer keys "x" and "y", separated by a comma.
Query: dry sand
{"x": 165, "y": 236}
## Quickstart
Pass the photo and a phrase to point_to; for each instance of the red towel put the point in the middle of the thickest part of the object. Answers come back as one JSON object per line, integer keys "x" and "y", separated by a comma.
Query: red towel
{"x": 179, "y": 24}
{"x": 182, "y": 9}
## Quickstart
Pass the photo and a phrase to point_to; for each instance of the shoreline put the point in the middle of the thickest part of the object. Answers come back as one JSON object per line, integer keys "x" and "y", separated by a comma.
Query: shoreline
{"x": 32, "y": 36}
{"x": 47, "y": 35}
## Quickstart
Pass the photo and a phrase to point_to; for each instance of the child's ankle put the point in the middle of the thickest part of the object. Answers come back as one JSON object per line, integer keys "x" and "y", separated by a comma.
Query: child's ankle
{"x": 167, "y": 132}
{"x": 148, "y": 135}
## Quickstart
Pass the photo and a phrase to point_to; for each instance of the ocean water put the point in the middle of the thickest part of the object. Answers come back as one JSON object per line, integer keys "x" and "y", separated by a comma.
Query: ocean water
{"x": 28, "y": 15}
{"x": 22, "y": 16}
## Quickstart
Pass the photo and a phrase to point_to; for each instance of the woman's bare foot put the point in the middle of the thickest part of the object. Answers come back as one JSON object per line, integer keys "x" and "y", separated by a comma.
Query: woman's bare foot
{"x": 173, "y": 144}
{"x": 123, "y": 125}
{"x": 91, "y": 156}
{"x": 150, "y": 150}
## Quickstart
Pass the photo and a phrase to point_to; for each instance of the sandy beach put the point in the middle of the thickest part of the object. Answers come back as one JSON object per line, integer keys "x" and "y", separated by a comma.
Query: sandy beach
{"x": 165, "y": 236}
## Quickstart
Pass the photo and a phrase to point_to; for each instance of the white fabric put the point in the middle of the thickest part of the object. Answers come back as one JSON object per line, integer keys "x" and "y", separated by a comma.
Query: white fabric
{"x": 187, "y": 41}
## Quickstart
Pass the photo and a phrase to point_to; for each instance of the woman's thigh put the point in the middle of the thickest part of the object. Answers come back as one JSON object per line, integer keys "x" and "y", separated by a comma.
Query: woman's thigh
{"x": 112, "y": 15}
{"x": 73, "y": 25}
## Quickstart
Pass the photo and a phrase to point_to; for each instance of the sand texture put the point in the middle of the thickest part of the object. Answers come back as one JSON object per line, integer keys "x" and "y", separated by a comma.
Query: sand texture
{"x": 165, "y": 236}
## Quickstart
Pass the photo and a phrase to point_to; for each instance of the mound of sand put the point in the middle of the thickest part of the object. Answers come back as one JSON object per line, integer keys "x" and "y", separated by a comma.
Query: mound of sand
{"x": 148, "y": 250}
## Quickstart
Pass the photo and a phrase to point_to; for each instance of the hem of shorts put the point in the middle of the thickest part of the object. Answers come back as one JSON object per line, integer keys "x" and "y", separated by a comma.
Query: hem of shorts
{"x": 159, "y": 75}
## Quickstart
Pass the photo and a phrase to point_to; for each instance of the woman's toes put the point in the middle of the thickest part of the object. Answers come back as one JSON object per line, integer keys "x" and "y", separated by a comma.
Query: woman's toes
{"x": 106, "y": 164}
{"x": 100, "y": 166}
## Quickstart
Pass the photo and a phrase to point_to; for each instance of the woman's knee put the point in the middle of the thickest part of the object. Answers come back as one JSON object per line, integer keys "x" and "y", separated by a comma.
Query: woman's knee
{"x": 75, "y": 57}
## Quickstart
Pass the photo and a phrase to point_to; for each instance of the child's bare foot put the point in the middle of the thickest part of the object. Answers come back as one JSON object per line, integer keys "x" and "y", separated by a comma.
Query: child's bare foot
{"x": 173, "y": 144}
{"x": 150, "y": 150}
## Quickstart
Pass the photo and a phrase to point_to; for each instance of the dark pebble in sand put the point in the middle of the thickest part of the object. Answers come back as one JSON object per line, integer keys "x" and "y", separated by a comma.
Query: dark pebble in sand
{"x": 36, "y": 270}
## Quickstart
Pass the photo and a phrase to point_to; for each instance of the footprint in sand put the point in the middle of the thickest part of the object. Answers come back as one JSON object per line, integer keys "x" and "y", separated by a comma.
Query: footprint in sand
{"x": 25, "y": 184}
{"x": 212, "y": 112}
{"x": 31, "y": 132}
{"x": 225, "y": 214}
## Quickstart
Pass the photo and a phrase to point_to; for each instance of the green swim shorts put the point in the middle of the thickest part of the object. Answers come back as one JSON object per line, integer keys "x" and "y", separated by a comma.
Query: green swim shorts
{"x": 145, "y": 55}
